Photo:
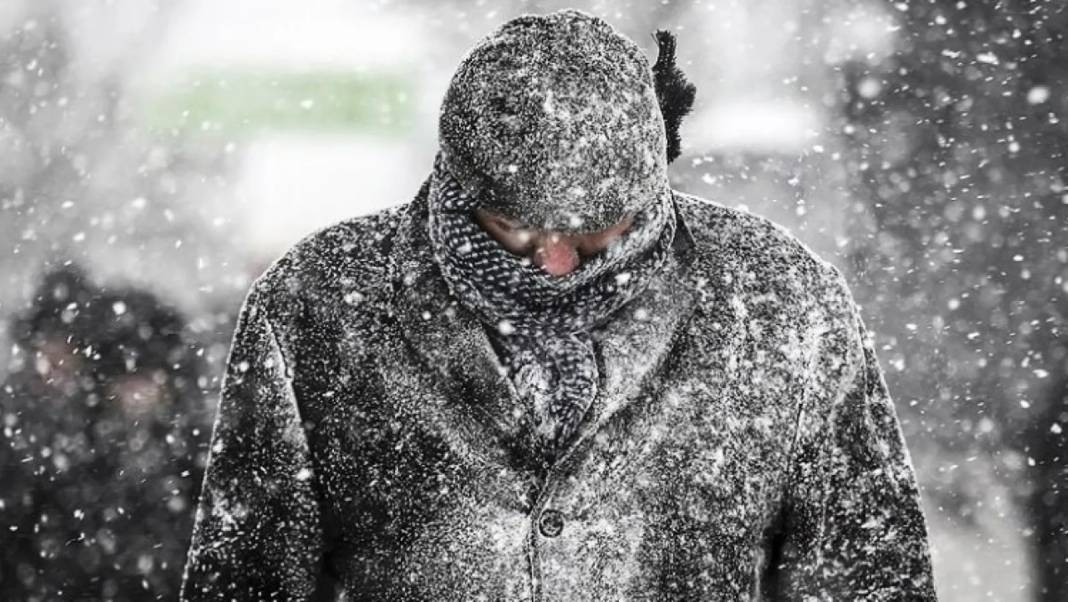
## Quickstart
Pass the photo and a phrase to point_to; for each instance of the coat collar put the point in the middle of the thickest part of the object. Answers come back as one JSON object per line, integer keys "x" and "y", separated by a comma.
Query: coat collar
{"x": 452, "y": 343}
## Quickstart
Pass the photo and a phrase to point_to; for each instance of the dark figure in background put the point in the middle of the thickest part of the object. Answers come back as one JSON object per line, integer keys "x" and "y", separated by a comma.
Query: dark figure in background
{"x": 100, "y": 453}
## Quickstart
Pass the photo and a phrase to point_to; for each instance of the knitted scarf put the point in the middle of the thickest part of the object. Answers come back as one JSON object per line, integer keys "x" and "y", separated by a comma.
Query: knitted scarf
{"x": 540, "y": 324}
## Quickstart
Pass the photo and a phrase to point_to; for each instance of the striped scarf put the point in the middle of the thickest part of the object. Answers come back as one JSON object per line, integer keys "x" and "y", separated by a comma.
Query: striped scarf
{"x": 540, "y": 324}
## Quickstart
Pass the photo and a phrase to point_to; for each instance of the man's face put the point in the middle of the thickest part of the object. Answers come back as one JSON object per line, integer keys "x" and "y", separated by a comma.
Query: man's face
{"x": 557, "y": 253}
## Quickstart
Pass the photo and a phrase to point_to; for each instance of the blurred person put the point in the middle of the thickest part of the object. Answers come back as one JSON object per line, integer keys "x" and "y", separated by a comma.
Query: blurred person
{"x": 101, "y": 429}
{"x": 552, "y": 377}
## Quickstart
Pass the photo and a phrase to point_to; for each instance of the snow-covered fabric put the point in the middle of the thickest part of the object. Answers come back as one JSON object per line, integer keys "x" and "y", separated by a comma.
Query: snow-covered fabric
{"x": 739, "y": 442}
{"x": 529, "y": 129}
{"x": 532, "y": 115}
{"x": 742, "y": 444}
{"x": 541, "y": 323}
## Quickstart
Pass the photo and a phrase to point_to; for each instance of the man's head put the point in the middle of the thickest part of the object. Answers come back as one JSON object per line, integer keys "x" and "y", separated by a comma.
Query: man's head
{"x": 554, "y": 123}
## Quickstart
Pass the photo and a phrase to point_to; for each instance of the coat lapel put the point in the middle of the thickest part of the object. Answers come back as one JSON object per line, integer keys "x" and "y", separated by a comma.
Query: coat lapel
{"x": 635, "y": 344}
{"x": 452, "y": 343}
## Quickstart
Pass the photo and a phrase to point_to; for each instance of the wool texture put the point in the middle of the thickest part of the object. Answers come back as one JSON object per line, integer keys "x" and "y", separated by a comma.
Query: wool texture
{"x": 532, "y": 121}
{"x": 743, "y": 445}
{"x": 735, "y": 438}
{"x": 540, "y": 323}
{"x": 527, "y": 130}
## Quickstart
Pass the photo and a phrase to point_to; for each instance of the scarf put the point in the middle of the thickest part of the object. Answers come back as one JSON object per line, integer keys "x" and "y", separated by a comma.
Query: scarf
{"x": 540, "y": 324}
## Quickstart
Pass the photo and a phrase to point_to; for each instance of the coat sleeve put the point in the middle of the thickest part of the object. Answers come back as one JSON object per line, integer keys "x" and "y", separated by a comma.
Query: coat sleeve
{"x": 257, "y": 534}
{"x": 853, "y": 528}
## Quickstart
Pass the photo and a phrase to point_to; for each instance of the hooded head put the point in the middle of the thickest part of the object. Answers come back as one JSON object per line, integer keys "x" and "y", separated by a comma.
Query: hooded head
{"x": 554, "y": 122}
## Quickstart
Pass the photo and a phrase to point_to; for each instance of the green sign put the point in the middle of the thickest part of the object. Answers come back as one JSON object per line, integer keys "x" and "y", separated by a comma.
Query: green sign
{"x": 239, "y": 102}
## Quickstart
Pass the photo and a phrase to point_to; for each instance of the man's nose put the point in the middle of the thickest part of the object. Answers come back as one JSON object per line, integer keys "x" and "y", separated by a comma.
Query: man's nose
{"x": 556, "y": 254}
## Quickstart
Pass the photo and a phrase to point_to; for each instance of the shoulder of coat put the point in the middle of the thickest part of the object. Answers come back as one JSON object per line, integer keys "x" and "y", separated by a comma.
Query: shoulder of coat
{"x": 742, "y": 251}
{"x": 342, "y": 268}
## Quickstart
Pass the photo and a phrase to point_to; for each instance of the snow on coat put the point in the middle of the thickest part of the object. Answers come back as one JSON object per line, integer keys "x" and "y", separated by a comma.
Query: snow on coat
{"x": 742, "y": 444}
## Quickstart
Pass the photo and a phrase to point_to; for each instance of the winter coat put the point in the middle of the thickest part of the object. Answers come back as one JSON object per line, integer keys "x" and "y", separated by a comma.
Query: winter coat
{"x": 742, "y": 444}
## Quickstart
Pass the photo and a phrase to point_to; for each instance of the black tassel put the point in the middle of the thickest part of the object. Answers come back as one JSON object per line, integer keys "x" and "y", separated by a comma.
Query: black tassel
{"x": 673, "y": 91}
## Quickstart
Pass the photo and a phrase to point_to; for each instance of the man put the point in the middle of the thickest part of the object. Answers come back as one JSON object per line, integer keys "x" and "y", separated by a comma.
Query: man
{"x": 552, "y": 377}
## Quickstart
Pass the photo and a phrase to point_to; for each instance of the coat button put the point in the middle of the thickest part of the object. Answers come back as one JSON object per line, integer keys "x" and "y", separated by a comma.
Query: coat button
{"x": 551, "y": 523}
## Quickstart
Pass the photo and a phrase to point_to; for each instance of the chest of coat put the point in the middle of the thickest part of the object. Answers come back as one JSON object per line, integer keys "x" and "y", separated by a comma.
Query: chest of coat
{"x": 676, "y": 487}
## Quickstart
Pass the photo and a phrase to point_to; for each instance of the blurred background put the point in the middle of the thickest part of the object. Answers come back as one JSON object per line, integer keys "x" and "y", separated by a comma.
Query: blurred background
{"x": 156, "y": 156}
